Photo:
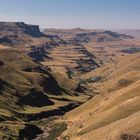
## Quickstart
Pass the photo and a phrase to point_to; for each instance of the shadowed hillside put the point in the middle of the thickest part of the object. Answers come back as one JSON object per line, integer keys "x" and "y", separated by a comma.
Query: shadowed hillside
{"x": 21, "y": 34}
{"x": 28, "y": 91}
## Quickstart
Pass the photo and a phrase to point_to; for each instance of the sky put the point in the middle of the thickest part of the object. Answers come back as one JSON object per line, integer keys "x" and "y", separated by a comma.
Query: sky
{"x": 101, "y": 14}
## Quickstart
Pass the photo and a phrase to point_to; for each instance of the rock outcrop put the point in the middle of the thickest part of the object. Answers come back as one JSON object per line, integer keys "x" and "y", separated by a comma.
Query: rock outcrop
{"x": 20, "y": 28}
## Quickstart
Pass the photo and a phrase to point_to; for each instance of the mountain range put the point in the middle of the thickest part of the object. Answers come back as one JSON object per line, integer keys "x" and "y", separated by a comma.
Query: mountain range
{"x": 69, "y": 84}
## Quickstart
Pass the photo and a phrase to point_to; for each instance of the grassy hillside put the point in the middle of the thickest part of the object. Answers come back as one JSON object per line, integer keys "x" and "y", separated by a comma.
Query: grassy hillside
{"x": 28, "y": 91}
{"x": 35, "y": 92}
{"x": 115, "y": 112}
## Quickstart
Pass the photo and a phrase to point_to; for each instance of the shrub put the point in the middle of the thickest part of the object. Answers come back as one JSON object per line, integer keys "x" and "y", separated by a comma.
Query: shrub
{"x": 130, "y": 137}
{"x": 124, "y": 82}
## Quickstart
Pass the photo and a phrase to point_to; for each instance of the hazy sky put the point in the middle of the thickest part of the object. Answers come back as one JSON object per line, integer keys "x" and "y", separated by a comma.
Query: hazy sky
{"x": 73, "y": 13}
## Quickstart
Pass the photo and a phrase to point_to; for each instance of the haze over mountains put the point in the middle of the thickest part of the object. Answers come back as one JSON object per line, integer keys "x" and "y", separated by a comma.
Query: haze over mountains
{"x": 46, "y": 76}
{"x": 133, "y": 32}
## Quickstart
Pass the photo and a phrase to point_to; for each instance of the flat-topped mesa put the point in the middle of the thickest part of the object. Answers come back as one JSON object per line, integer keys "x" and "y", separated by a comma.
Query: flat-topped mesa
{"x": 21, "y": 27}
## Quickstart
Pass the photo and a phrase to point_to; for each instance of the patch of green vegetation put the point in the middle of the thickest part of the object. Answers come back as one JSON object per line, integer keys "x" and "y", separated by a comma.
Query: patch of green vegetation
{"x": 10, "y": 131}
{"x": 91, "y": 80}
{"x": 56, "y": 131}
{"x": 82, "y": 132}
{"x": 124, "y": 82}
{"x": 45, "y": 121}
{"x": 129, "y": 137}
{"x": 66, "y": 138}
{"x": 70, "y": 74}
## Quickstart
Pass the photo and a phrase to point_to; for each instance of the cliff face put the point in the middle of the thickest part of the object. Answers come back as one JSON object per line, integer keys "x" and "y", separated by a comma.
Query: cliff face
{"x": 32, "y": 30}
{"x": 20, "y": 34}
{"x": 20, "y": 27}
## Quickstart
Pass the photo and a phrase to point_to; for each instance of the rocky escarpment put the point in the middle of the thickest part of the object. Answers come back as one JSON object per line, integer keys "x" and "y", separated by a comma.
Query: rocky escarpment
{"x": 19, "y": 28}
{"x": 25, "y": 35}
{"x": 28, "y": 39}
{"x": 18, "y": 33}
{"x": 103, "y": 36}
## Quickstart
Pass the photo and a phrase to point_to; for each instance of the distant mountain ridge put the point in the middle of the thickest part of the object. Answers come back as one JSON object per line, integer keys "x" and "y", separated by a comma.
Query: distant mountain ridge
{"x": 79, "y": 35}
{"x": 67, "y": 33}
{"x": 21, "y": 34}
{"x": 103, "y": 36}
{"x": 133, "y": 32}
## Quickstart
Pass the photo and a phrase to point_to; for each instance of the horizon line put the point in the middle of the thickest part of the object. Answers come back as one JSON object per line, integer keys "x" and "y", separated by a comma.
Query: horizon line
{"x": 69, "y": 28}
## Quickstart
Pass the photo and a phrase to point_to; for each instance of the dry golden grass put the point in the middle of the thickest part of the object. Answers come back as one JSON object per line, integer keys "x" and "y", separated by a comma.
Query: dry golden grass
{"x": 64, "y": 57}
{"x": 4, "y": 47}
{"x": 109, "y": 115}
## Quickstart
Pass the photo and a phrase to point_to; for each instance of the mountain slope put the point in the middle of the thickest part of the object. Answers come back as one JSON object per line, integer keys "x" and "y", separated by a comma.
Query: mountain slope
{"x": 87, "y": 50}
{"x": 100, "y": 63}
{"x": 28, "y": 39}
{"x": 114, "y": 113}
{"x": 103, "y": 36}
{"x": 28, "y": 91}
{"x": 67, "y": 34}
{"x": 21, "y": 34}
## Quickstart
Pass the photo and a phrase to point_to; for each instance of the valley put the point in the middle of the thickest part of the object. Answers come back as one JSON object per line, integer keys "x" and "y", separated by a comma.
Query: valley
{"x": 73, "y": 84}
{"x": 29, "y": 92}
